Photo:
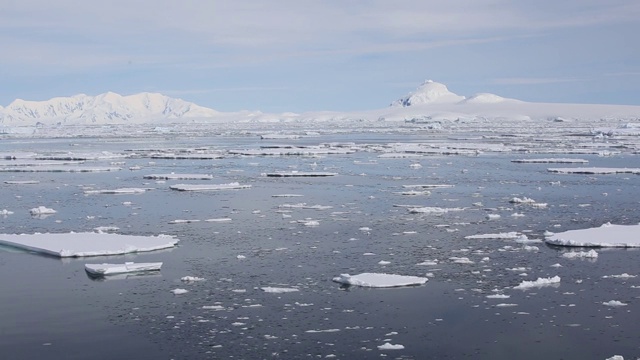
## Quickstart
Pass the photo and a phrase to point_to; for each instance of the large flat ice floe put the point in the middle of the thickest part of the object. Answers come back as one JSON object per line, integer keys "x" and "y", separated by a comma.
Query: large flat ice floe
{"x": 87, "y": 244}
{"x": 173, "y": 176}
{"x": 594, "y": 170}
{"x": 300, "y": 174}
{"x": 551, "y": 160}
{"x": 607, "y": 235}
{"x": 379, "y": 280}
{"x": 205, "y": 187}
{"x": 114, "y": 269}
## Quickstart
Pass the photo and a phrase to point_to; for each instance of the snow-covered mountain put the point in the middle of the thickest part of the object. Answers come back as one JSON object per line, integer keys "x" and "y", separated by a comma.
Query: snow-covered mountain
{"x": 431, "y": 92}
{"x": 107, "y": 108}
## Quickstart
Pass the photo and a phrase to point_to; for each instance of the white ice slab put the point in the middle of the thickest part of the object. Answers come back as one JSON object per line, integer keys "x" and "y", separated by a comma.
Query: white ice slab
{"x": 379, "y": 280}
{"x": 206, "y": 187}
{"x": 552, "y": 160}
{"x": 300, "y": 174}
{"x": 540, "y": 282}
{"x": 87, "y": 244}
{"x": 58, "y": 169}
{"x": 173, "y": 176}
{"x": 594, "y": 170}
{"x": 128, "y": 267}
{"x": 120, "y": 191}
{"x": 607, "y": 235}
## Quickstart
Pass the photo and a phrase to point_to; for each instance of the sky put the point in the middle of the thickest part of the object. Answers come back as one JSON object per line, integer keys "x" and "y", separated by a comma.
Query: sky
{"x": 302, "y": 55}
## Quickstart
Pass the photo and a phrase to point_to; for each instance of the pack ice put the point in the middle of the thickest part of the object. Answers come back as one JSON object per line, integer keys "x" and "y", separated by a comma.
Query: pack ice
{"x": 607, "y": 235}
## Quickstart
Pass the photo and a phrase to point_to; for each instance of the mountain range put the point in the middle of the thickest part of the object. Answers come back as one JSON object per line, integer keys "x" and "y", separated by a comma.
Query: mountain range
{"x": 431, "y": 101}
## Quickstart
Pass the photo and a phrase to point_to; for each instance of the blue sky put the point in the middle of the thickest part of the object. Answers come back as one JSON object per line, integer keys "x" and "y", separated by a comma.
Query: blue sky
{"x": 299, "y": 55}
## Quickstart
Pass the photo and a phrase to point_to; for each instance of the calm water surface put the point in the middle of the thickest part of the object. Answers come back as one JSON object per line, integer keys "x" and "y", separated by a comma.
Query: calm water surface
{"x": 51, "y": 309}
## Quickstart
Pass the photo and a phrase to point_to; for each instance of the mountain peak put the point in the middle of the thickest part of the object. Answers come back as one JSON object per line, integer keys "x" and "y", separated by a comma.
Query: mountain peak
{"x": 107, "y": 108}
{"x": 429, "y": 92}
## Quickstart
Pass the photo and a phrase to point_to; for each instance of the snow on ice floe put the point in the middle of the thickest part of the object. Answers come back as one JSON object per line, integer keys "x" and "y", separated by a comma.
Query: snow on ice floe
{"x": 127, "y": 267}
{"x": 595, "y": 170}
{"x": 120, "y": 191}
{"x": 278, "y": 290}
{"x": 87, "y": 244}
{"x": 173, "y": 176}
{"x": 379, "y": 280}
{"x": 540, "y": 282}
{"x": 607, "y": 235}
{"x": 300, "y": 174}
{"x": 500, "y": 236}
{"x": 205, "y": 187}
{"x": 552, "y": 160}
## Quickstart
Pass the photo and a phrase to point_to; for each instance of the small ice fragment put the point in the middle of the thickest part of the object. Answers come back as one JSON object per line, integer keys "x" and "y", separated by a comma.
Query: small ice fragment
{"x": 614, "y": 303}
{"x": 179, "y": 291}
{"x": 389, "y": 346}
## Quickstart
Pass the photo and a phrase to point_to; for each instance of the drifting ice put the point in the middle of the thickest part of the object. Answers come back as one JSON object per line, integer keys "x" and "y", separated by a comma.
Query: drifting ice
{"x": 379, "y": 280}
{"x": 128, "y": 267}
{"x": 87, "y": 244}
{"x": 607, "y": 235}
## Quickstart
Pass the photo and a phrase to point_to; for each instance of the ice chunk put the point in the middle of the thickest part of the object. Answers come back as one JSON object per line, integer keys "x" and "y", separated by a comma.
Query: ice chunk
{"x": 552, "y": 160}
{"x": 607, "y": 235}
{"x": 179, "y": 291}
{"x": 120, "y": 191}
{"x": 278, "y": 290}
{"x": 300, "y": 174}
{"x": 591, "y": 254}
{"x": 128, "y": 267}
{"x": 42, "y": 210}
{"x": 389, "y": 346}
{"x": 595, "y": 170}
{"x": 540, "y": 282}
{"x": 191, "y": 278}
{"x": 614, "y": 303}
{"x": 379, "y": 280}
{"x": 87, "y": 244}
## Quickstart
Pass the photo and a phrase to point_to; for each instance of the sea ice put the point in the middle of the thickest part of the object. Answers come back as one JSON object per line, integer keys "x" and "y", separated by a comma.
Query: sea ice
{"x": 594, "y": 170}
{"x": 300, "y": 174}
{"x": 42, "y": 210}
{"x": 552, "y": 160}
{"x": 607, "y": 235}
{"x": 432, "y": 210}
{"x": 540, "y": 282}
{"x": 591, "y": 254}
{"x": 379, "y": 280}
{"x": 278, "y": 290}
{"x": 127, "y": 267}
{"x": 179, "y": 291}
{"x": 192, "y": 278}
{"x": 614, "y": 303}
{"x": 389, "y": 346}
{"x": 205, "y": 187}
{"x": 87, "y": 244}
{"x": 173, "y": 176}
{"x": 117, "y": 191}
{"x": 502, "y": 236}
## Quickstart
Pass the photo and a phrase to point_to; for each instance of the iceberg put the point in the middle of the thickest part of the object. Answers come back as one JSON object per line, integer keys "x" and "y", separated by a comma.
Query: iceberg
{"x": 87, "y": 244}
{"x": 607, "y": 235}
{"x": 379, "y": 280}
{"x": 128, "y": 267}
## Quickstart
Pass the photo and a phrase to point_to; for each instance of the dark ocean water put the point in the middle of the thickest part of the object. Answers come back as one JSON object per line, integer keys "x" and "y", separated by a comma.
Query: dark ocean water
{"x": 50, "y": 308}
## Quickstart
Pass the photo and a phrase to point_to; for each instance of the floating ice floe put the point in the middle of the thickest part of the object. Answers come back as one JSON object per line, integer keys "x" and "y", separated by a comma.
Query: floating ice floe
{"x": 614, "y": 303}
{"x": 552, "y": 160}
{"x": 286, "y": 195}
{"x": 501, "y": 236}
{"x": 595, "y": 170}
{"x": 191, "y": 279}
{"x": 540, "y": 282}
{"x": 278, "y": 290}
{"x": 205, "y": 187}
{"x": 58, "y": 169}
{"x": 127, "y": 267}
{"x": 42, "y": 210}
{"x": 5, "y": 212}
{"x": 179, "y": 291}
{"x": 429, "y": 186}
{"x": 22, "y": 182}
{"x": 87, "y": 244}
{"x": 389, "y": 346}
{"x": 607, "y": 235}
{"x": 591, "y": 254}
{"x": 527, "y": 201}
{"x": 173, "y": 176}
{"x": 121, "y": 191}
{"x": 379, "y": 280}
{"x": 433, "y": 210}
{"x": 621, "y": 276}
{"x": 300, "y": 174}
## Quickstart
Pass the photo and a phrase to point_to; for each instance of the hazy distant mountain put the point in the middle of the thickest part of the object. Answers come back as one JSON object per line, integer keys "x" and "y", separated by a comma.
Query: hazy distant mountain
{"x": 107, "y": 108}
{"x": 431, "y": 92}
